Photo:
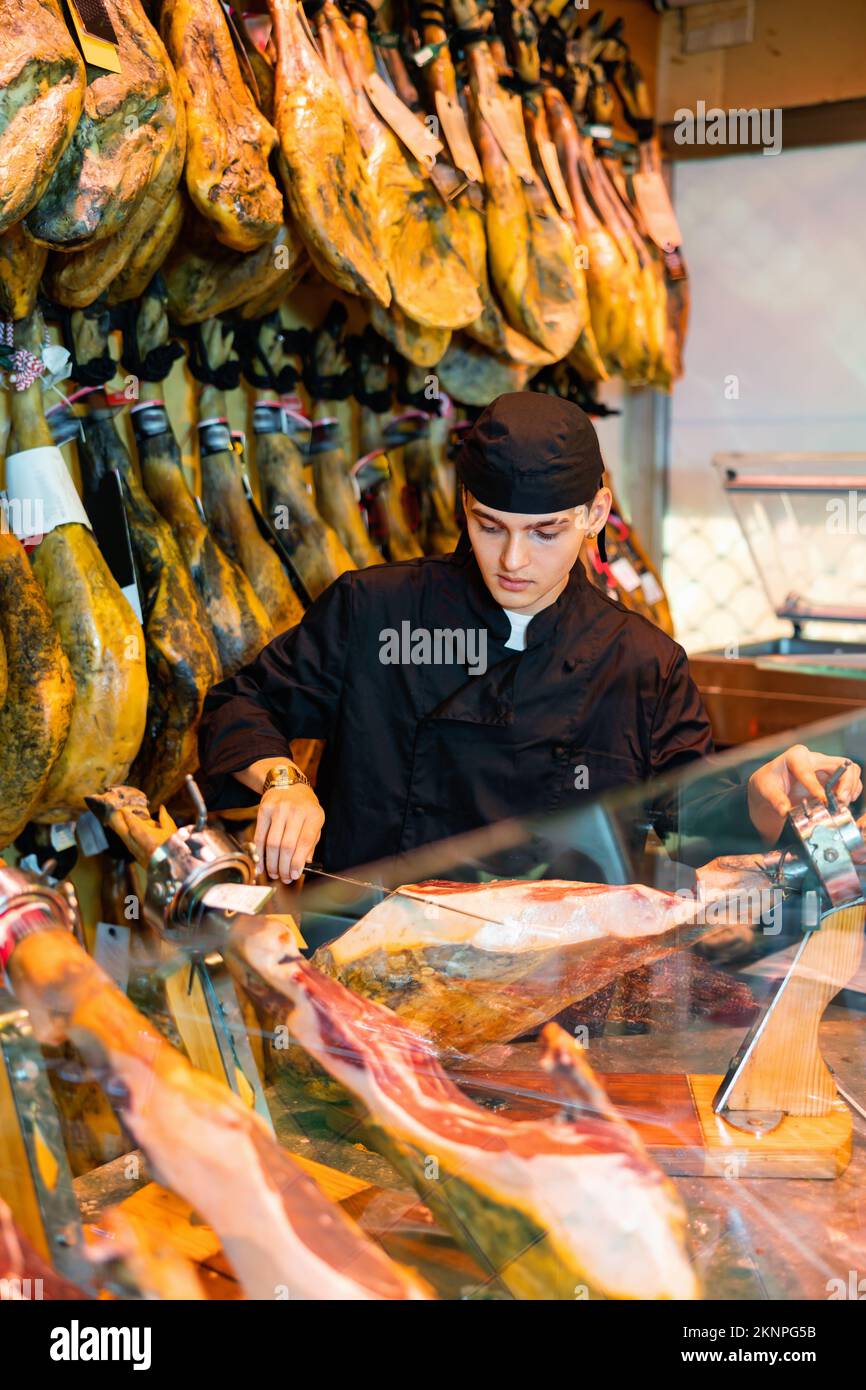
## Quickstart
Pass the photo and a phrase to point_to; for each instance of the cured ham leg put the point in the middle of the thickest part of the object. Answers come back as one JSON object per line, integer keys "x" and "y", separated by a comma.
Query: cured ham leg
{"x": 230, "y": 140}
{"x": 125, "y": 132}
{"x": 22, "y": 262}
{"x": 226, "y": 506}
{"x": 78, "y": 279}
{"x": 149, "y": 253}
{"x": 372, "y": 364}
{"x": 606, "y": 272}
{"x": 322, "y": 164}
{"x": 240, "y": 624}
{"x": 335, "y": 495}
{"x": 425, "y": 457}
{"x": 533, "y": 254}
{"x": 281, "y": 1234}
{"x": 42, "y": 81}
{"x": 204, "y": 279}
{"x": 475, "y": 376}
{"x": 38, "y": 690}
{"x": 468, "y": 964}
{"x": 423, "y": 238}
{"x": 318, "y": 554}
{"x": 102, "y": 638}
{"x": 547, "y": 1205}
{"x": 182, "y": 659}
{"x": 424, "y": 347}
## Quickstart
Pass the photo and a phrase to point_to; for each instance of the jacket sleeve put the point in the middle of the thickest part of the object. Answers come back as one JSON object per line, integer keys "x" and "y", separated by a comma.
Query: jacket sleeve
{"x": 291, "y": 690}
{"x": 707, "y": 814}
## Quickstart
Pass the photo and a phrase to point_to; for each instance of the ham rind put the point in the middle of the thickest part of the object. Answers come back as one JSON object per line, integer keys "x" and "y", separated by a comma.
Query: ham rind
{"x": 282, "y": 1235}
{"x": 471, "y": 964}
{"x": 553, "y": 1210}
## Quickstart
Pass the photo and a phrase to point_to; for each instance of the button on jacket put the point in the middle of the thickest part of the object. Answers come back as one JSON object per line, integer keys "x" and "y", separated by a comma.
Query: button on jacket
{"x": 600, "y": 698}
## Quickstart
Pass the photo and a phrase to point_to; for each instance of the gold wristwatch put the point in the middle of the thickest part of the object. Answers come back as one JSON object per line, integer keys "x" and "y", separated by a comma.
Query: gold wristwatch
{"x": 284, "y": 775}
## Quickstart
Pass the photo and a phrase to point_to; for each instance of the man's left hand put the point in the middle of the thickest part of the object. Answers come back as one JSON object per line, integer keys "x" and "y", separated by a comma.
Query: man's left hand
{"x": 795, "y": 774}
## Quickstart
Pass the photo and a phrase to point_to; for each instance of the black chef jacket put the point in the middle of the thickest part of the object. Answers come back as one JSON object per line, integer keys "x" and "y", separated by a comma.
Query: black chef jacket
{"x": 417, "y": 753}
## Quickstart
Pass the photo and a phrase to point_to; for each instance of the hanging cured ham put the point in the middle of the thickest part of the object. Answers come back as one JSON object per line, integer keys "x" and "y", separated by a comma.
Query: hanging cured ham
{"x": 99, "y": 632}
{"x": 330, "y": 382}
{"x": 22, "y": 262}
{"x": 532, "y": 251}
{"x": 317, "y": 553}
{"x": 182, "y": 658}
{"x": 38, "y": 690}
{"x": 423, "y": 347}
{"x": 79, "y": 278}
{"x": 226, "y": 505}
{"x": 421, "y": 236}
{"x": 126, "y": 130}
{"x": 204, "y": 279}
{"x": 322, "y": 163}
{"x": 42, "y": 87}
{"x": 239, "y": 621}
{"x": 606, "y": 274}
{"x": 475, "y": 376}
{"x": 149, "y": 253}
{"x": 372, "y": 390}
{"x": 227, "y": 172}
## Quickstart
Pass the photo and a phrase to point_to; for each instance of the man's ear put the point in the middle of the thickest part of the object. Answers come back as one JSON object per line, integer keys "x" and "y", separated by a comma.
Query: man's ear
{"x": 600, "y": 509}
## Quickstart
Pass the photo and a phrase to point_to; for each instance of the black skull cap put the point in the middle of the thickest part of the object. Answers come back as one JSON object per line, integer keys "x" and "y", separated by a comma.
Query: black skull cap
{"x": 531, "y": 452}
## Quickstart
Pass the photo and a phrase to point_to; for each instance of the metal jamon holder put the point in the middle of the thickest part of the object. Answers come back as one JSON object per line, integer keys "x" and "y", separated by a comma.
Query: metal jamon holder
{"x": 199, "y": 867}
{"x": 20, "y": 890}
{"x": 829, "y": 850}
{"x": 198, "y": 878}
{"x": 778, "y": 1073}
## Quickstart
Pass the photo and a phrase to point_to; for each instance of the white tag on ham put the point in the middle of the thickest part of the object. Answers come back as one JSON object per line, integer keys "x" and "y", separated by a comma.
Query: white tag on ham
{"x": 41, "y": 492}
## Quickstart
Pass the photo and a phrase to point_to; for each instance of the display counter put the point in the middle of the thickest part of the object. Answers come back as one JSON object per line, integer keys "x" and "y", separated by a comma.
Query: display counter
{"x": 685, "y": 1128}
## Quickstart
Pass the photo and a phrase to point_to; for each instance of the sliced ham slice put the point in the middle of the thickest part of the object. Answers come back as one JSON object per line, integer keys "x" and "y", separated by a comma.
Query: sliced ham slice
{"x": 551, "y": 1209}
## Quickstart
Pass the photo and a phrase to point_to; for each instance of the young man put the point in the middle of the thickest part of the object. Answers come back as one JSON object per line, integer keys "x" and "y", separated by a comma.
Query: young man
{"x": 462, "y": 689}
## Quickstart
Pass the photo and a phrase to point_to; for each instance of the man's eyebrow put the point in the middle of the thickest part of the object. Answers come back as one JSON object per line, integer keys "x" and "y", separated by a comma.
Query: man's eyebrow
{"x": 533, "y": 525}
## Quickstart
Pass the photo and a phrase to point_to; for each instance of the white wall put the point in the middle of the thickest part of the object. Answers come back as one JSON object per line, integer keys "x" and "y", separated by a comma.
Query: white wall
{"x": 776, "y": 249}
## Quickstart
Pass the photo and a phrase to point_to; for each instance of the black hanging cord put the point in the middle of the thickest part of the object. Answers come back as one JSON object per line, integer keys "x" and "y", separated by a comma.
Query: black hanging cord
{"x": 369, "y": 348}
{"x": 99, "y": 369}
{"x": 417, "y": 399}
{"x": 156, "y": 364}
{"x": 226, "y": 377}
{"x": 361, "y": 7}
{"x": 462, "y": 39}
{"x": 247, "y": 345}
{"x": 338, "y": 386}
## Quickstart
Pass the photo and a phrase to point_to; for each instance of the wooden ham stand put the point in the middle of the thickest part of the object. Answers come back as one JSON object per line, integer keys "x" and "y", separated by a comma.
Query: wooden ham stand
{"x": 777, "y": 1112}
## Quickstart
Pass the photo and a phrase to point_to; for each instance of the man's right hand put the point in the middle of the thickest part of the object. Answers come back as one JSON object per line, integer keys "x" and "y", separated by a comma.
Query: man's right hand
{"x": 288, "y": 827}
